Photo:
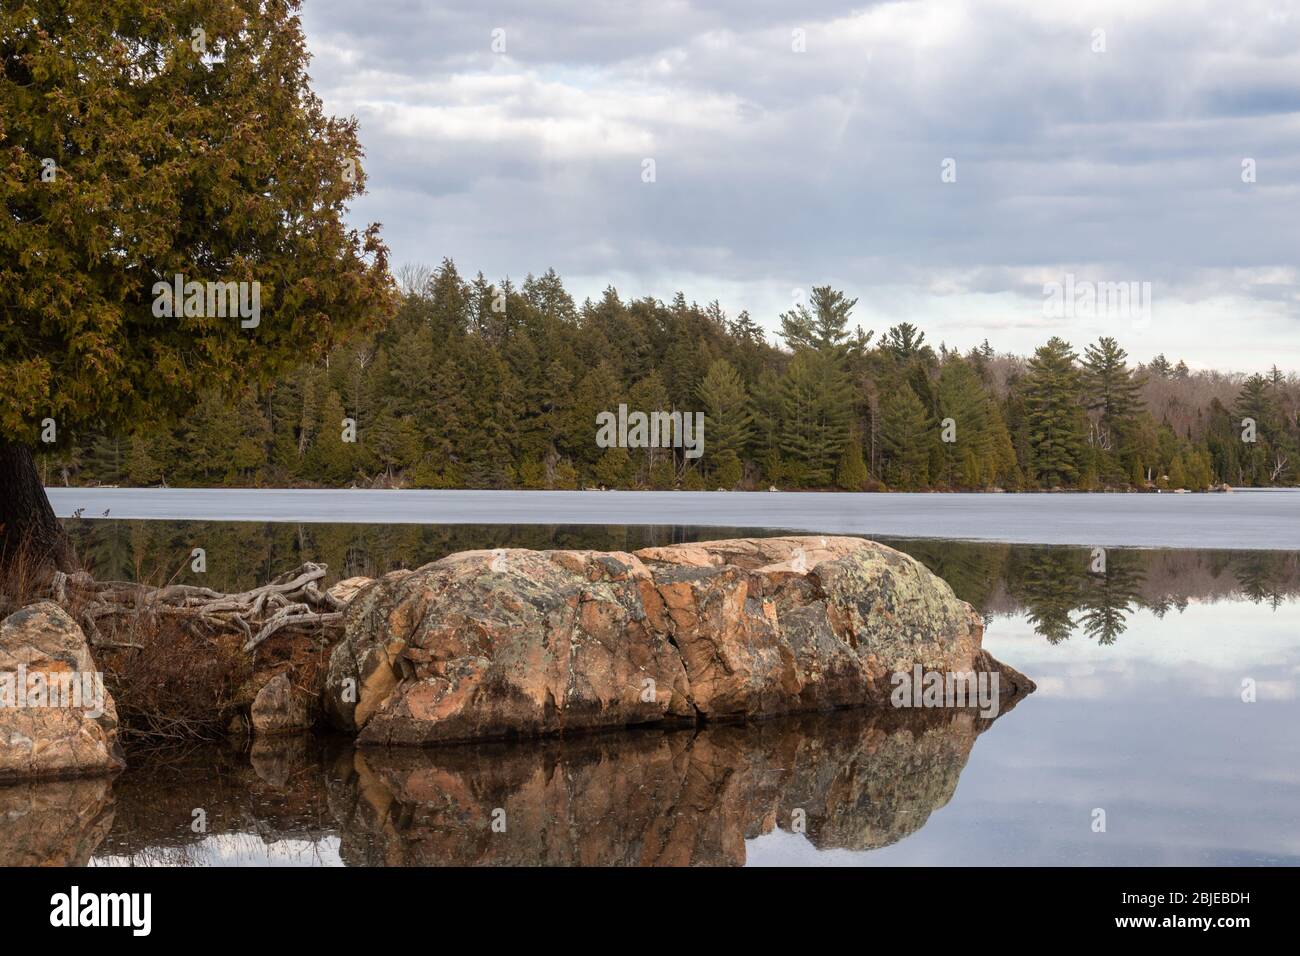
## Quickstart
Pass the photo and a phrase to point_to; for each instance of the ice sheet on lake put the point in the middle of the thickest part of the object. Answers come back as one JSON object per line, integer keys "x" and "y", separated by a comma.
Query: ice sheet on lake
{"x": 1243, "y": 519}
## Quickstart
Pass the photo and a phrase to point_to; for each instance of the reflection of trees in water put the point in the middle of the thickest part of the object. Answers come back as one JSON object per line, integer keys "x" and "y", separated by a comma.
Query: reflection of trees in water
{"x": 1108, "y": 596}
{"x": 1052, "y": 585}
{"x": 1163, "y": 605}
{"x": 110, "y": 552}
{"x": 1058, "y": 591}
{"x": 1263, "y": 576}
{"x": 241, "y": 555}
{"x": 1048, "y": 583}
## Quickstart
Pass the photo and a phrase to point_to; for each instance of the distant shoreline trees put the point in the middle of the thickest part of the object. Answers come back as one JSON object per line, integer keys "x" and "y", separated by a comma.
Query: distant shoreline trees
{"x": 472, "y": 385}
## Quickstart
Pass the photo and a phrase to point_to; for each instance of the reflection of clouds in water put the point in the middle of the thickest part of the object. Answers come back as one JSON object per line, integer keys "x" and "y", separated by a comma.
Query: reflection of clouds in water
{"x": 1205, "y": 651}
{"x": 235, "y": 849}
{"x": 1150, "y": 728}
{"x": 1183, "y": 783}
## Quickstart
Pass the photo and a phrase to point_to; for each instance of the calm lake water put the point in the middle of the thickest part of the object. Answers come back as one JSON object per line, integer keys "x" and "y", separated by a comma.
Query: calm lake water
{"x": 1139, "y": 713}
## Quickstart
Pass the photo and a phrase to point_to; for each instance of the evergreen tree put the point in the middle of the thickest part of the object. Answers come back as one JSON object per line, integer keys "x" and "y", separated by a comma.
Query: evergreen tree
{"x": 456, "y": 392}
{"x": 613, "y": 469}
{"x": 1256, "y": 404}
{"x": 962, "y": 398}
{"x": 767, "y": 445}
{"x": 905, "y": 342}
{"x": 1160, "y": 367}
{"x": 824, "y": 328}
{"x": 1053, "y": 410}
{"x": 904, "y": 425}
{"x": 1107, "y": 597}
{"x": 851, "y": 475}
{"x": 728, "y": 422}
{"x": 815, "y": 415}
{"x": 143, "y": 467}
{"x": 107, "y": 460}
{"x": 330, "y": 458}
{"x": 218, "y": 164}
{"x": 597, "y": 392}
{"x": 1113, "y": 392}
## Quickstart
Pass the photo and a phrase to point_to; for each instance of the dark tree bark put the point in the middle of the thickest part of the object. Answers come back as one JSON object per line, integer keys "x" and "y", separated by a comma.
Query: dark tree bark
{"x": 27, "y": 523}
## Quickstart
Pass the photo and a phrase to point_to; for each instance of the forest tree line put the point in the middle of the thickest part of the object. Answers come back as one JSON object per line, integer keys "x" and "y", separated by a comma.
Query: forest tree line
{"x": 476, "y": 385}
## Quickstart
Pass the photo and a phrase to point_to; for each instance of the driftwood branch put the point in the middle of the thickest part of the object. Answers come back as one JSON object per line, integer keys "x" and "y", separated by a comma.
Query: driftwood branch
{"x": 292, "y": 601}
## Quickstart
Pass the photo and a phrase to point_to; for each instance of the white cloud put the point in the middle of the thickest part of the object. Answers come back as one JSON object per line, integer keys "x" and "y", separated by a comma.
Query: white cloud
{"x": 778, "y": 169}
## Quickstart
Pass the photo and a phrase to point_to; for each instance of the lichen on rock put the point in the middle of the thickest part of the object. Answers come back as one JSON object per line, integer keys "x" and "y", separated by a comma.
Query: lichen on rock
{"x": 56, "y": 717}
{"x": 487, "y": 644}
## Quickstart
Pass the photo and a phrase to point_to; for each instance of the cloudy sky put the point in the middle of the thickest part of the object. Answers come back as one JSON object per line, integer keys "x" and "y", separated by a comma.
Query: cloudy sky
{"x": 796, "y": 144}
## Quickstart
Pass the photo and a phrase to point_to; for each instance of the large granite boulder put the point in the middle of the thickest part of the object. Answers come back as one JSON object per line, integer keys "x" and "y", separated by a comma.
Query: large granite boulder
{"x": 56, "y": 717}
{"x": 485, "y": 644}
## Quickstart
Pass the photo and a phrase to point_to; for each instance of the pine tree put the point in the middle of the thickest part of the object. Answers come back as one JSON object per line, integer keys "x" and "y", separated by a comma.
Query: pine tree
{"x": 1137, "y": 478}
{"x": 728, "y": 422}
{"x": 557, "y": 403}
{"x": 747, "y": 331}
{"x": 1256, "y": 403}
{"x": 107, "y": 460}
{"x": 767, "y": 406}
{"x": 393, "y": 442}
{"x": 1113, "y": 392}
{"x": 1177, "y": 474}
{"x": 649, "y": 395}
{"x": 851, "y": 475}
{"x": 824, "y": 328}
{"x": 904, "y": 427}
{"x": 663, "y": 474}
{"x": 1001, "y": 467}
{"x": 598, "y": 391}
{"x": 330, "y": 458}
{"x": 613, "y": 469}
{"x": 962, "y": 398}
{"x": 1052, "y": 395}
{"x": 905, "y": 342}
{"x": 565, "y": 477}
{"x": 815, "y": 415}
{"x": 143, "y": 467}
{"x": 1160, "y": 367}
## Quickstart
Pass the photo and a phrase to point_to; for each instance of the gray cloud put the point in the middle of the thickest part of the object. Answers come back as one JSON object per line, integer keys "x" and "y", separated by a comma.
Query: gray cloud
{"x": 778, "y": 169}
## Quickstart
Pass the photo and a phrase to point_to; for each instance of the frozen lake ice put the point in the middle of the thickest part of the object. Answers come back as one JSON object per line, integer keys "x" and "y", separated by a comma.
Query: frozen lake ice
{"x": 1247, "y": 519}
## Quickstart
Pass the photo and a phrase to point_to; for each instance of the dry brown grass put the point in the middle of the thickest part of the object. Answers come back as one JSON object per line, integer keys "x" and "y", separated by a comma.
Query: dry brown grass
{"x": 25, "y": 577}
{"x": 169, "y": 680}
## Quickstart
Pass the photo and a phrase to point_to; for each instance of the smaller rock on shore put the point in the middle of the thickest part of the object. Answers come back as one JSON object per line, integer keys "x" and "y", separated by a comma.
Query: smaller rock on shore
{"x": 56, "y": 717}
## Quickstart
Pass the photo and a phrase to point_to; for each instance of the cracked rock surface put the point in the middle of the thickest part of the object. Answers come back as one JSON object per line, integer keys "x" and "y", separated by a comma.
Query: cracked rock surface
{"x": 491, "y": 644}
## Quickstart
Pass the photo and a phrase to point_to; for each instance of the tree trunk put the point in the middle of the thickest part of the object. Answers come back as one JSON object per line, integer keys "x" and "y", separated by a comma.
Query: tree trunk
{"x": 28, "y": 528}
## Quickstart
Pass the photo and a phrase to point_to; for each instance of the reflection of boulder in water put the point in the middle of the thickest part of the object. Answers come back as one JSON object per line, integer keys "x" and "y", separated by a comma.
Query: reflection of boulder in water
{"x": 863, "y": 779}
{"x": 593, "y": 800}
{"x": 278, "y": 759}
{"x": 54, "y": 822}
{"x": 274, "y": 792}
{"x": 875, "y": 789}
